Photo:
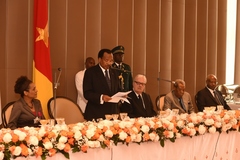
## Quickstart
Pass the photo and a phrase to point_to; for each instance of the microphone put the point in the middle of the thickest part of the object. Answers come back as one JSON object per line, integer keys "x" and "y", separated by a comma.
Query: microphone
{"x": 123, "y": 70}
{"x": 173, "y": 82}
{"x": 57, "y": 82}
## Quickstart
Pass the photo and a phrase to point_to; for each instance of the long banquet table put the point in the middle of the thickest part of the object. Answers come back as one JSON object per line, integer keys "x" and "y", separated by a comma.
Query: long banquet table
{"x": 224, "y": 146}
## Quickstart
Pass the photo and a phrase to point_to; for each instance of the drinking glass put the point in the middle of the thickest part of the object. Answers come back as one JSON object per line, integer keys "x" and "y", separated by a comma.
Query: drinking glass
{"x": 123, "y": 116}
{"x": 115, "y": 116}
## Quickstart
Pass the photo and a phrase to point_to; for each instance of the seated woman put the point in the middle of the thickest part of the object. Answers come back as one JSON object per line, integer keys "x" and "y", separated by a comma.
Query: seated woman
{"x": 27, "y": 111}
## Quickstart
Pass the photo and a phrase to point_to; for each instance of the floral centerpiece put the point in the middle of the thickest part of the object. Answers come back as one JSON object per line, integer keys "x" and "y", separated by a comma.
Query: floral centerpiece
{"x": 47, "y": 141}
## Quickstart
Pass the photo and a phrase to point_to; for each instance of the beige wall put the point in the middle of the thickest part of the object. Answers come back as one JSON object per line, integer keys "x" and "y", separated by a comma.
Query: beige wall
{"x": 169, "y": 39}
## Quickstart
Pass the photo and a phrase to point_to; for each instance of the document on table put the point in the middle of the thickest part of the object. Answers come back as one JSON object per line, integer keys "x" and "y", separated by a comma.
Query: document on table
{"x": 120, "y": 96}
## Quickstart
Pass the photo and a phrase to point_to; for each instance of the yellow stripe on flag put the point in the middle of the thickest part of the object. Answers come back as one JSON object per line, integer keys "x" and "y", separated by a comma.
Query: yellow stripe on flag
{"x": 45, "y": 91}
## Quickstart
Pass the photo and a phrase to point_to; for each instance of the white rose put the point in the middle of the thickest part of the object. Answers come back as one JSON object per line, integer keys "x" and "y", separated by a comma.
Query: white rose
{"x": 194, "y": 118}
{"x": 218, "y": 124}
{"x": 78, "y": 135}
{"x": 190, "y": 125}
{"x": 209, "y": 122}
{"x": 141, "y": 121}
{"x": 21, "y": 135}
{"x": 138, "y": 138}
{"x": 192, "y": 132}
{"x": 90, "y": 144}
{"x": 152, "y": 124}
{"x": 145, "y": 129}
{"x": 97, "y": 144}
{"x": 133, "y": 137}
{"x": 201, "y": 129}
{"x": 17, "y": 151}
{"x": 170, "y": 126}
{"x": 1, "y": 155}
{"x": 170, "y": 134}
{"x": 33, "y": 140}
{"x": 122, "y": 135}
{"x": 61, "y": 146}
{"x": 226, "y": 127}
{"x": 212, "y": 129}
{"x": 90, "y": 133}
{"x": 42, "y": 131}
{"x": 63, "y": 139}
{"x": 48, "y": 145}
{"x": 180, "y": 124}
{"x": 152, "y": 136}
{"x": 109, "y": 133}
{"x": 30, "y": 152}
{"x": 101, "y": 138}
{"x": 7, "y": 138}
{"x": 178, "y": 135}
{"x": 135, "y": 130}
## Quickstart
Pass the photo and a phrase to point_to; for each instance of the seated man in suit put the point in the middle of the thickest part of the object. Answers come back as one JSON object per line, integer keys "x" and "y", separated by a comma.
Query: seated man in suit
{"x": 140, "y": 102}
{"x": 178, "y": 98}
{"x": 209, "y": 96}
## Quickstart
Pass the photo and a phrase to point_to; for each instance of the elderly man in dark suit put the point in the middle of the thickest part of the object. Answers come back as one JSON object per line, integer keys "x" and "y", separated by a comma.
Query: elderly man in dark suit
{"x": 140, "y": 102}
{"x": 99, "y": 84}
{"x": 178, "y": 98}
{"x": 123, "y": 69}
{"x": 209, "y": 96}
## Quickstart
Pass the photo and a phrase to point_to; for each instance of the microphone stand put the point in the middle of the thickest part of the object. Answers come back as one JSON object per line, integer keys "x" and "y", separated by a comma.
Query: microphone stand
{"x": 56, "y": 84}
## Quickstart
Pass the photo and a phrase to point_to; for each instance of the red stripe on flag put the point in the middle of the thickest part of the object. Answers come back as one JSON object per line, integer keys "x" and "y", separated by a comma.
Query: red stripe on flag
{"x": 41, "y": 37}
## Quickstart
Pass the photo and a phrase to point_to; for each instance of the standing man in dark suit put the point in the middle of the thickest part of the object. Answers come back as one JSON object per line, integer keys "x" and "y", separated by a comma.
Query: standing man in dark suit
{"x": 123, "y": 69}
{"x": 209, "y": 96}
{"x": 140, "y": 102}
{"x": 99, "y": 84}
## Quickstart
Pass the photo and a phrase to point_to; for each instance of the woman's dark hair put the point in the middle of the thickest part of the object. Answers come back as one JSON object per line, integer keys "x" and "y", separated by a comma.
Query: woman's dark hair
{"x": 21, "y": 85}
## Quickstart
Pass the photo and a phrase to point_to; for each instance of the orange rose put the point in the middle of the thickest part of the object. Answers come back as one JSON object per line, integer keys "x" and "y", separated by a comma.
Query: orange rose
{"x": 84, "y": 148}
{"x": 83, "y": 131}
{"x": 95, "y": 136}
{"x": 128, "y": 139}
{"x": 50, "y": 135}
{"x": 63, "y": 133}
{"x": 146, "y": 137}
{"x": 105, "y": 128}
{"x": 52, "y": 152}
{"x": 38, "y": 151}
{"x": 45, "y": 140}
{"x": 107, "y": 142}
{"x": 67, "y": 147}
{"x": 70, "y": 134}
{"x": 12, "y": 148}
{"x": 24, "y": 149}
{"x": 71, "y": 141}
{"x": 15, "y": 138}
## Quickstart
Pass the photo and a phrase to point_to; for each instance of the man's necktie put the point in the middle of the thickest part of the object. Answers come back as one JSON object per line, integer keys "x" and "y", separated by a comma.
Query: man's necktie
{"x": 141, "y": 101}
{"x": 108, "y": 79}
{"x": 217, "y": 97}
{"x": 182, "y": 104}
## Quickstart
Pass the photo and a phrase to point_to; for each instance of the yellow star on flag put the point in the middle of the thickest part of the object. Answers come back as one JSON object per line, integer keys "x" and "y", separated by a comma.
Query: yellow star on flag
{"x": 43, "y": 34}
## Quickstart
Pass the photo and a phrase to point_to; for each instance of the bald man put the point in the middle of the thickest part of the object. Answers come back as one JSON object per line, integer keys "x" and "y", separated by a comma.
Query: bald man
{"x": 209, "y": 96}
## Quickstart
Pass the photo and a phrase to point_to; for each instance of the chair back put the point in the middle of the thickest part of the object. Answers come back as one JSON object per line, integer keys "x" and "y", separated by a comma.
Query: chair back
{"x": 65, "y": 108}
{"x": 6, "y": 113}
{"x": 160, "y": 102}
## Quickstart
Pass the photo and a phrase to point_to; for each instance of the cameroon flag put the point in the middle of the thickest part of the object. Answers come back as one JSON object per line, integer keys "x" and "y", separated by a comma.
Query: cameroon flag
{"x": 42, "y": 71}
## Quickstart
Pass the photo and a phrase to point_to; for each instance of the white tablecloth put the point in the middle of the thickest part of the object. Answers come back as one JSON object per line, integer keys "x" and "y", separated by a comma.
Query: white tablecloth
{"x": 234, "y": 106}
{"x": 224, "y": 146}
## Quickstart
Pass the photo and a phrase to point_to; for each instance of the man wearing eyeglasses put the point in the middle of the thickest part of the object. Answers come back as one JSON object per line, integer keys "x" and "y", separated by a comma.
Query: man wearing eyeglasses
{"x": 140, "y": 102}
